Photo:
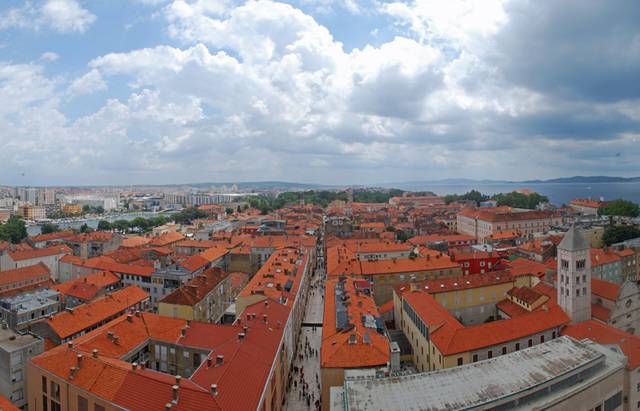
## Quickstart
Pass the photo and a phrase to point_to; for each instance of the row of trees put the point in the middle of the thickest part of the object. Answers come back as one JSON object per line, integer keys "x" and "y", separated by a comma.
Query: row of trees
{"x": 139, "y": 224}
{"x": 512, "y": 199}
{"x": 620, "y": 207}
{"x": 321, "y": 198}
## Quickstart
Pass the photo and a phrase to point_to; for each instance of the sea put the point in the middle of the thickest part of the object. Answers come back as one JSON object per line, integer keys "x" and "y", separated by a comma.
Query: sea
{"x": 558, "y": 193}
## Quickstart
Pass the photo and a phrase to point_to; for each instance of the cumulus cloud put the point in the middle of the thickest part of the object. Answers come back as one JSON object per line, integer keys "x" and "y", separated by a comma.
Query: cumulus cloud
{"x": 262, "y": 90}
{"x": 60, "y": 15}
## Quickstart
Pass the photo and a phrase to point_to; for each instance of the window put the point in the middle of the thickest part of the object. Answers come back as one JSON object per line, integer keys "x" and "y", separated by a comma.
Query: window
{"x": 83, "y": 404}
{"x": 97, "y": 407}
{"x": 530, "y": 342}
{"x": 564, "y": 264}
{"x": 55, "y": 390}
{"x": 45, "y": 403}
{"x": 517, "y": 346}
{"x": 44, "y": 385}
{"x": 504, "y": 350}
{"x": 475, "y": 357}
{"x": 460, "y": 361}
{"x": 17, "y": 395}
{"x": 553, "y": 335}
{"x": 613, "y": 402}
{"x": 628, "y": 303}
{"x": 577, "y": 292}
{"x": 490, "y": 354}
{"x": 541, "y": 339}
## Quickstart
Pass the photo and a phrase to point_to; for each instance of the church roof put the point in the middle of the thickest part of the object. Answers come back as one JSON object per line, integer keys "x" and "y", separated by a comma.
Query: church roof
{"x": 573, "y": 240}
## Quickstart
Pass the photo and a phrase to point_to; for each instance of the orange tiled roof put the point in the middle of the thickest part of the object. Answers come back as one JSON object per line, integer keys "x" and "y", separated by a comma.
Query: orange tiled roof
{"x": 336, "y": 350}
{"x": 241, "y": 378}
{"x": 107, "y": 264}
{"x": 167, "y": 239}
{"x": 602, "y": 257}
{"x": 135, "y": 241}
{"x": 66, "y": 323}
{"x": 401, "y": 265}
{"x": 526, "y": 294}
{"x": 94, "y": 236}
{"x": 605, "y": 289}
{"x": 510, "y": 308}
{"x": 279, "y": 277}
{"x": 443, "y": 285}
{"x": 524, "y": 266}
{"x": 39, "y": 252}
{"x": 424, "y": 239}
{"x": 23, "y": 274}
{"x": 451, "y": 337}
{"x": 6, "y": 405}
{"x": 626, "y": 252}
{"x": 499, "y": 214}
{"x": 600, "y": 312}
{"x": 87, "y": 287}
{"x": 197, "y": 288}
{"x": 52, "y": 236}
{"x": 607, "y": 335}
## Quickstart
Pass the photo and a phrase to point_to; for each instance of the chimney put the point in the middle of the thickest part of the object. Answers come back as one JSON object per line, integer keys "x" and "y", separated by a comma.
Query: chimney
{"x": 174, "y": 389}
{"x": 264, "y": 318}
{"x": 110, "y": 335}
{"x": 79, "y": 360}
{"x": 94, "y": 353}
{"x": 214, "y": 389}
{"x": 245, "y": 329}
{"x": 167, "y": 406}
{"x": 219, "y": 359}
{"x": 134, "y": 366}
{"x": 178, "y": 378}
{"x": 72, "y": 372}
{"x": 183, "y": 332}
{"x": 137, "y": 313}
{"x": 70, "y": 344}
{"x": 266, "y": 304}
{"x": 240, "y": 336}
{"x": 209, "y": 362}
{"x": 130, "y": 318}
{"x": 116, "y": 339}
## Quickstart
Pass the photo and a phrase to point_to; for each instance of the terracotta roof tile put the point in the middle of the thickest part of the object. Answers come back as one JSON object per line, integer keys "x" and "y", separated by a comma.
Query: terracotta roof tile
{"x": 607, "y": 335}
{"x": 28, "y": 273}
{"x": 39, "y": 252}
{"x": 66, "y": 324}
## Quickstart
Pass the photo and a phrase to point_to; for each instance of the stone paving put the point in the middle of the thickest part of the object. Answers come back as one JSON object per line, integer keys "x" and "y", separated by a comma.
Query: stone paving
{"x": 310, "y": 364}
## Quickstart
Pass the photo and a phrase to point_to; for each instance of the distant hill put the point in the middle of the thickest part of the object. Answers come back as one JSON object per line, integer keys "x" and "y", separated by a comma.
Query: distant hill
{"x": 563, "y": 180}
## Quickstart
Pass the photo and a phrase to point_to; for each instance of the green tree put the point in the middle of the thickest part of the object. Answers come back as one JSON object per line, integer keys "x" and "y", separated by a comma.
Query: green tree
{"x": 228, "y": 210}
{"x": 519, "y": 200}
{"x": 617, "y": 234}
{"x": 49, "y": 228}
{"x": 620, "y": 207}
{"x": 84, "y": 228}
{"x": 104, "y": 225}
{"x": 120, "y": 225}
{"x": 139, "y": 223}
{"x": 13, "y": 230}
{"x": 472, "y": 195}
{"x": 185, "y": 216}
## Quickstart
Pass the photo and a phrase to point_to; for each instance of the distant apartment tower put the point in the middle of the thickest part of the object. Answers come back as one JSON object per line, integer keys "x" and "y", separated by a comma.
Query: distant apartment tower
{"x": 574, "y": 276}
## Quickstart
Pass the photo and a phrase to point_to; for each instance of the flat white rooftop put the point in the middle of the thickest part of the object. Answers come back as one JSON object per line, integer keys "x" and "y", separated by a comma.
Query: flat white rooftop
{"x": 486, "y": 383}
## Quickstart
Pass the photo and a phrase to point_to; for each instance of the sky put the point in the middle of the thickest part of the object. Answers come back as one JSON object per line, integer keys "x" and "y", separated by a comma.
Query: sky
{"x": 317, "y": 91}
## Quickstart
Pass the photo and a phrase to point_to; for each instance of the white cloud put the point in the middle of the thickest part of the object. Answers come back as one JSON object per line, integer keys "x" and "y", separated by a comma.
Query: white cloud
{"x": 87, "y": 84}
{"x": 60, "y": 15}
{"x": 49, "y": 56}
{"x": 262, "y": 90}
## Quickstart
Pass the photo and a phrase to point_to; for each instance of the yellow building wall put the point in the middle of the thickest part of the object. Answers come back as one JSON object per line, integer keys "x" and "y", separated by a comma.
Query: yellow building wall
{"x": 176, "y": 311}
{"x": 459, "y": 299}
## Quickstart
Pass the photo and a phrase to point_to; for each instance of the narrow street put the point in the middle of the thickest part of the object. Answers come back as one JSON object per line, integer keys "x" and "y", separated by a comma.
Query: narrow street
{"x": 308, "y": 374}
